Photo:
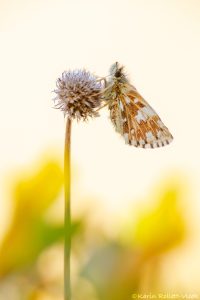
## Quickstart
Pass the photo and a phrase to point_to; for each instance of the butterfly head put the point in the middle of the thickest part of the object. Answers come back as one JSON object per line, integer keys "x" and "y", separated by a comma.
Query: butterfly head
{"x": 117, "y": 73}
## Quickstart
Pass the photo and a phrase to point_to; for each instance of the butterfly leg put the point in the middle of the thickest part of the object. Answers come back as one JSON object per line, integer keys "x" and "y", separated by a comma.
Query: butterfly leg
{"x": 103, "y": 106}
{"x": 102, "y": 79}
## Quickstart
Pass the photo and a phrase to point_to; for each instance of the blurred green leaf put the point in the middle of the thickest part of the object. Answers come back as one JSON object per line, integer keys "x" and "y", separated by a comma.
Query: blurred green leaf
{"x": 114, "y": 271}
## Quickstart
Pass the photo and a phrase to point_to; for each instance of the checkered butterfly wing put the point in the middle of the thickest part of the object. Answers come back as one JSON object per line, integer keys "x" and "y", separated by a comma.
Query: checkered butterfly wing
{"x": 136, "y": 120}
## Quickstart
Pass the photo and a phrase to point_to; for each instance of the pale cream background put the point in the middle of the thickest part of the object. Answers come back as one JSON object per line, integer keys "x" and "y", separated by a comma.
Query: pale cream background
{"x": 159, "y": 43}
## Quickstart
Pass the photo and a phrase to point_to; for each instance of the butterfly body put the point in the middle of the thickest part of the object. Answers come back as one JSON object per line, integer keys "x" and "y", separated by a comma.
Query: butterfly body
{"x": 131, "y": 115}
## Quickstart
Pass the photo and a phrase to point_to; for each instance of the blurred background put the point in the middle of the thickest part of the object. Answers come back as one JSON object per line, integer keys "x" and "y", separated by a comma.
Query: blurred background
{"x": 136, "y": 212}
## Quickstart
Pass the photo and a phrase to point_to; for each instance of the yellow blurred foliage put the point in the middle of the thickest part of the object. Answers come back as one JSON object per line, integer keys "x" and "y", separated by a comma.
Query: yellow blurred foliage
{"x": 31, "y": 255}
{"x": 118, "y": 269}
{"x": 163, "y": 226}
{"x": 29, "y": 232}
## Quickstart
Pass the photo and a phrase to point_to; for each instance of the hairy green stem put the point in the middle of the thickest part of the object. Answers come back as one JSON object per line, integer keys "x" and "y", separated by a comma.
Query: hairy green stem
{"x": 67, "y": 179}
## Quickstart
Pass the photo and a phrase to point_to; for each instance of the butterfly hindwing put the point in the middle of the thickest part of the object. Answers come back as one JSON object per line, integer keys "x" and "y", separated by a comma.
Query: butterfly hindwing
{"x": 139, "y": 124}
{"x": 131, "y": 115}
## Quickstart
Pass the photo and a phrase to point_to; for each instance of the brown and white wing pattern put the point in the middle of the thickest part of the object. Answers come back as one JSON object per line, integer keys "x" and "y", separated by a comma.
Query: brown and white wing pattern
{"x": 139, "y": 124}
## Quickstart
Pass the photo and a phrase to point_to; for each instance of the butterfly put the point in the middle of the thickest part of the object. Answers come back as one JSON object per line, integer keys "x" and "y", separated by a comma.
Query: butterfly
{"x": 131, "y": 115}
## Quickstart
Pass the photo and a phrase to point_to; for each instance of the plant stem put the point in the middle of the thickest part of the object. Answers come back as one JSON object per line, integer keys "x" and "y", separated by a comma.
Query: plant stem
{"x": 67, "y": 246}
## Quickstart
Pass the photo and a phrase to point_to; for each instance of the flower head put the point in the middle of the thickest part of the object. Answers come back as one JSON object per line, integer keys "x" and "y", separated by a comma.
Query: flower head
{"x": 78, "y": 94}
